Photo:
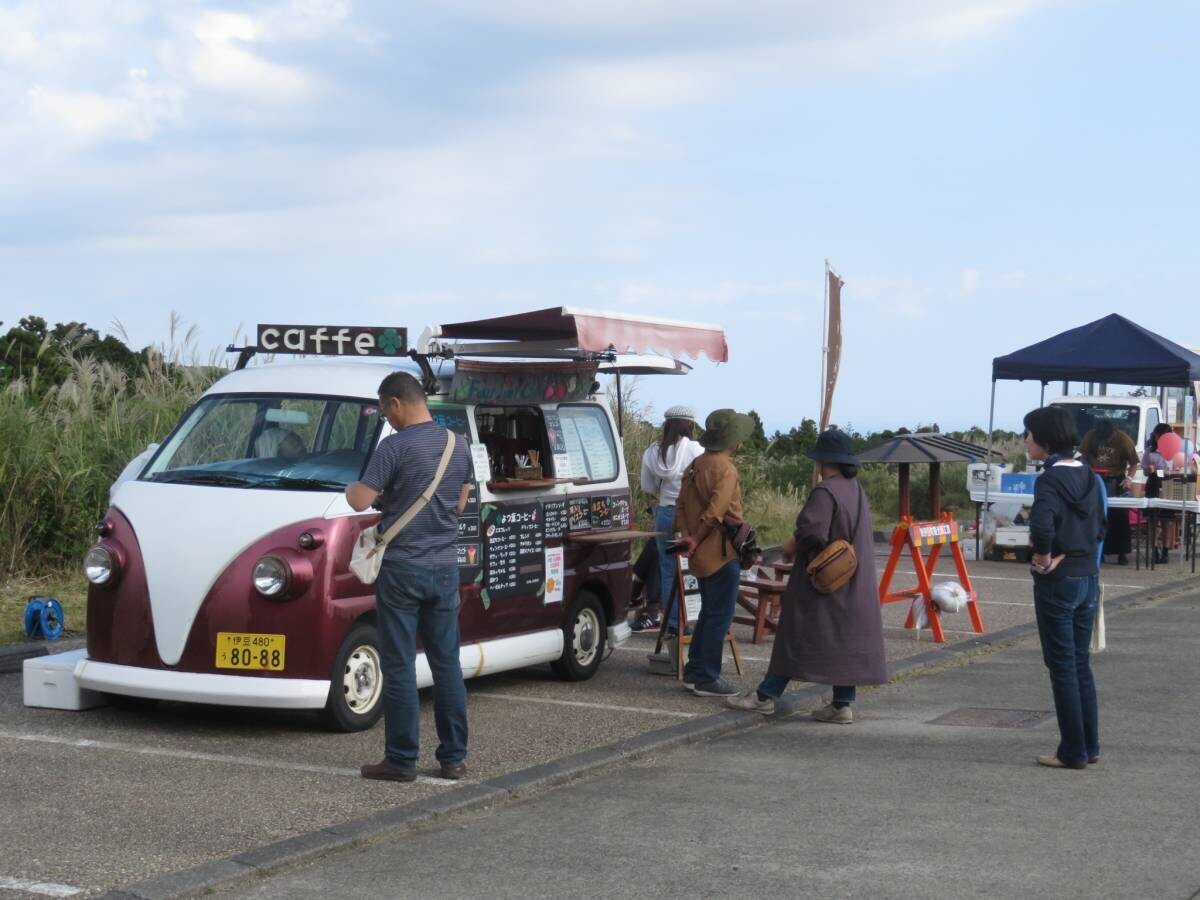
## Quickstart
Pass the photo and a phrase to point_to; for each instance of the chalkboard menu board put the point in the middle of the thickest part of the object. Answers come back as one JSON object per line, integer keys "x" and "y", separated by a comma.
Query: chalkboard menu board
{"x": 514, "y": 549}
{"x": 620, "y": 512}
{"x": 579, "y": 513}
{"x": 469, "y": 547}
{"x": 555, "y": 519}
{"x": 602, "y": 512}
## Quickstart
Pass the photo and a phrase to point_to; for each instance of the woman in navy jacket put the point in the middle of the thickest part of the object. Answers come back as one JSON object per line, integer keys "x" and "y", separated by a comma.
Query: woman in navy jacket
{"x": 1066, "y": 528}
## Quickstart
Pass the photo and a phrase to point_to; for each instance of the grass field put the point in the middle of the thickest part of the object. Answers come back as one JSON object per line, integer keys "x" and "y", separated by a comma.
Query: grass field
{"x": 68, "y": 586}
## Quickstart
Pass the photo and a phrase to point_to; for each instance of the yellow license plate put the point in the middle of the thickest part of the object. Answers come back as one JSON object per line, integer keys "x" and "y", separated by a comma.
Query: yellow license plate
{"x": 250, "y": 651}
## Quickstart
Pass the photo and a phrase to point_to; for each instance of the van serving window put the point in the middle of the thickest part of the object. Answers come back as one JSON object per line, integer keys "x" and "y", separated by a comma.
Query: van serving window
{"x": 515, "y": 437}
{"x": 590, "y": 444}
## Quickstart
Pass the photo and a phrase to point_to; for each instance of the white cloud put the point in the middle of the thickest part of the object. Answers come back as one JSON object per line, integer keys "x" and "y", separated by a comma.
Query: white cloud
{"x": 134, "y": 111}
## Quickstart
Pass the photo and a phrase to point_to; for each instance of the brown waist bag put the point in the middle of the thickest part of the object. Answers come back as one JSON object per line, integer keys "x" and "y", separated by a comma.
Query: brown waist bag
{"x": 830, "y": 569}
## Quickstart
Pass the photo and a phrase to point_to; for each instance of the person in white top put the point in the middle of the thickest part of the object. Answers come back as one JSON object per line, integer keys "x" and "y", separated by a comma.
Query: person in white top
{"x": 663, "y": 465}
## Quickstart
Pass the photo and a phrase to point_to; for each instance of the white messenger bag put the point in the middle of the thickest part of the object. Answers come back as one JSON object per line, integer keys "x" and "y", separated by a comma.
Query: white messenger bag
{"x": 367, "y": 556}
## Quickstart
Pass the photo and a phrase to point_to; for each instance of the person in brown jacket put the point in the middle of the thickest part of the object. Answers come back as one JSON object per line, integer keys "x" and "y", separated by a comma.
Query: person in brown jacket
{"x": 711, "y": 491}
{"x": 837, "y": 638}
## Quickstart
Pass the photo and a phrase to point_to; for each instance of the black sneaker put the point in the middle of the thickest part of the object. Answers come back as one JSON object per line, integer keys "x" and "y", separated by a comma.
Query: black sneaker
{"x": 718, "y": 688}
{"x": 646, "y": 622}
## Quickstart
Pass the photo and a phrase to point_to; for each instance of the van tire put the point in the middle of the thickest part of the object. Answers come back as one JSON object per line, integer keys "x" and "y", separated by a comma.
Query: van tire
{"x": 585, "y": 633}
{"x": 356, "y": 683}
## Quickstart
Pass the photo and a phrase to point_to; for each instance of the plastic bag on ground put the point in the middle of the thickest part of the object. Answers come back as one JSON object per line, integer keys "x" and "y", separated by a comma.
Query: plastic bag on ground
{"x": 950, "y": 597}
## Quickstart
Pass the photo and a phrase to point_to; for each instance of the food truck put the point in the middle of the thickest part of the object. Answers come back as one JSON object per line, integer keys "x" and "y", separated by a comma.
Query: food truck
{"x": 221, "y": 572}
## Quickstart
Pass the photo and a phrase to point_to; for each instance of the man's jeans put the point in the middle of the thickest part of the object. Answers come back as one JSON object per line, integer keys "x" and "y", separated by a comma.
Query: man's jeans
{"x": 411, "y": 602}
{"x": 664, "y": 521}
{"x": 1066, "y": 612}
{"x": 773, "y": 686}
{"x": 718, "y": 597}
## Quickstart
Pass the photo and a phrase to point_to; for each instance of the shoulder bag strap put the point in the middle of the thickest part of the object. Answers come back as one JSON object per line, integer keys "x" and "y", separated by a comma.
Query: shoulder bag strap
{"x": 420, "y": 503}
{"x": 833, "y": 518}
{"x": 858, "y": 521}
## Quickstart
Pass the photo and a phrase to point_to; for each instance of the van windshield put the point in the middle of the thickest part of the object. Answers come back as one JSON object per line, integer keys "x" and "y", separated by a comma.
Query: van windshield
{"x": 270, "y": 441}
{"x": 1124, "y": 418}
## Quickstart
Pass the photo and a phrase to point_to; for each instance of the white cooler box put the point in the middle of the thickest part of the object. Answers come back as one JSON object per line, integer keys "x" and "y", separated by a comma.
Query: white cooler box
{"x": 49, "y": 682}
{"x": 1012, "y": 542}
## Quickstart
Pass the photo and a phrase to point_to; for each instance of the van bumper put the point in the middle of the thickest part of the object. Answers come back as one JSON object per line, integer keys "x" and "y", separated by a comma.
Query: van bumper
{"x": 619, "y": 634}
{"x": 199, "y": 687}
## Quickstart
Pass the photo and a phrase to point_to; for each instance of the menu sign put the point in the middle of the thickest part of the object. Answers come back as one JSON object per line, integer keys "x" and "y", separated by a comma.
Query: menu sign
{"x": 469, "y": 547}
{"x": 579, "y": 513}
{"x": 514, "y": 550}
{"x": 602, "y": 512}
{"x": 333, "y": 340}
{"x": 621, "y": 516}
{"x": 555, "y": 519}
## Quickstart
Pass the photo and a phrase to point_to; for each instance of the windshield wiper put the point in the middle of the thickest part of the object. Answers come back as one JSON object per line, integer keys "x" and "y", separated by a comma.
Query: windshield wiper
{"x": 223, "y": 479}
{"x": 302, "y": 484}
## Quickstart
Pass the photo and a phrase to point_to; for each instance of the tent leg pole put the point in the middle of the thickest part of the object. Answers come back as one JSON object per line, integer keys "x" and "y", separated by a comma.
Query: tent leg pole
{"x": 987, "y": 482}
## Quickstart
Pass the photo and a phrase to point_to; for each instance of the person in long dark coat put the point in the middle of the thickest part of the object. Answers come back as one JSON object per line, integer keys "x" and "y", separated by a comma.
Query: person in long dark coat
{"x": 837, "y": 638}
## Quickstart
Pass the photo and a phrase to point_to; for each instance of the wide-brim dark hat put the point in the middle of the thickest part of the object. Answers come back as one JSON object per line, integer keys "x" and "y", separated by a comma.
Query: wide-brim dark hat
{"x": 833, "y": 446}
{"x": 725, "y": 429}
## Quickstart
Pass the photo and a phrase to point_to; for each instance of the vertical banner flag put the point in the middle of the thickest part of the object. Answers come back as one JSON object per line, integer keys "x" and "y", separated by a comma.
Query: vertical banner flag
{"x": 833, "y": 344}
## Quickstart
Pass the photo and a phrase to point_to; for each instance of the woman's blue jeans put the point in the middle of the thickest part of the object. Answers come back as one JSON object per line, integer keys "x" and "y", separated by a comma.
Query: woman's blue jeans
{"x": 773, "y": 686}
{"x": 664, "y": 521}
{"x": 411, "y": 601}
{"x": 718, "y": 597}
{"x": 1066, "y": 613}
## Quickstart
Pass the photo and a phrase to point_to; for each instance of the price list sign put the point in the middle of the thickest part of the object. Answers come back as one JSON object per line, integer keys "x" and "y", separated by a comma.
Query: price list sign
{"x": 514, "y": 550}
{"x": 468, "y": 547}
{"x": 555, "y": 519}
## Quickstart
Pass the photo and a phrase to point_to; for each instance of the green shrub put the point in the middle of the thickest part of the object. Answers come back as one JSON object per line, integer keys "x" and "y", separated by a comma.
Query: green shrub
{"x": 62, "y": 446}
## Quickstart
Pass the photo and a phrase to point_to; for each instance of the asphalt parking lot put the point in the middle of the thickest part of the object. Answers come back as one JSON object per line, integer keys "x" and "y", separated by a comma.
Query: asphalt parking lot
{"x": 101, "y": 798}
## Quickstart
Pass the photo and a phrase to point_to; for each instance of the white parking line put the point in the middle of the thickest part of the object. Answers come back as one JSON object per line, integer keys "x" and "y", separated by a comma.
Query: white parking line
{"x": 41, "y": 888}
{"x": 583, "y": 705}
{"x": 257, "y": 762}
{"x": 1028, "y": 581}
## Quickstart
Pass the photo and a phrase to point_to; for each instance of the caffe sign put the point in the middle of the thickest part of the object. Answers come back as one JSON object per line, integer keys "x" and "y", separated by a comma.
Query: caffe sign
{"x": 333, "y": 340}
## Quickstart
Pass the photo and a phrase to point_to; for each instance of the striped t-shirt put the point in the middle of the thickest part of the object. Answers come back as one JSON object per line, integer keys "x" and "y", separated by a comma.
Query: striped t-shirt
{"x": 400, "y": 469}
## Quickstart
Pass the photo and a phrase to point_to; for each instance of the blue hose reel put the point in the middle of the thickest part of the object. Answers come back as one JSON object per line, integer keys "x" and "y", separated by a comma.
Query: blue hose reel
{"x": 44, "y": 619}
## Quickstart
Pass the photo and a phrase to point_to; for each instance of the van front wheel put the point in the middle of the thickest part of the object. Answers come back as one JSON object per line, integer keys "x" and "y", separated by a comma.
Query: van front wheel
{"x": 356, "y": 690}
{"x": 585, "y": 632}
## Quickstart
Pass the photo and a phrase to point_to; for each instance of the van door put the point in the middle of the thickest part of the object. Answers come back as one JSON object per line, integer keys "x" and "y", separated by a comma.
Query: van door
{"x": 507, "y": 593}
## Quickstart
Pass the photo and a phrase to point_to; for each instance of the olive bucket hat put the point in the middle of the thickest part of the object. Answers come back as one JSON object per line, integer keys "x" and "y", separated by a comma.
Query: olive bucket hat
{"x": 833, "y": 446}
{"x": 725, "y": 429}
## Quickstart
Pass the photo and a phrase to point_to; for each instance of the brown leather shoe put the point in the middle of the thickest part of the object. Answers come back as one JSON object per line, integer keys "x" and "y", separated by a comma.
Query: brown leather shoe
{"x": 1054, "y": 762}
{"x": 1092, "y": 760}
{"x": 454, "y": 773}
{"x": 388, "y": 771}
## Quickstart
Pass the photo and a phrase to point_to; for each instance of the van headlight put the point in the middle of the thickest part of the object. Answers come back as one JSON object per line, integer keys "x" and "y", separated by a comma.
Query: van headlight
{"x": 99, "y": 565}
{"x": 271, "y": 576}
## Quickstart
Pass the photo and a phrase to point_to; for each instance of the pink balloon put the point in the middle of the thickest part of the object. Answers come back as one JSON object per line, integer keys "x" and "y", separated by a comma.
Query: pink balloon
{"x": 1169, "y": 444}
{"x": 1177, "y": 461}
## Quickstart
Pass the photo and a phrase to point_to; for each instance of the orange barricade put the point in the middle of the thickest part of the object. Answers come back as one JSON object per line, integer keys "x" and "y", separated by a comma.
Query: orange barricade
{"x": 934, "y": 535}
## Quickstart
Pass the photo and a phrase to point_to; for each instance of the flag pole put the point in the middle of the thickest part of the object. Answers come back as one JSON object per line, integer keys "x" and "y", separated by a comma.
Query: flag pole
{"x": 824, "y": 350}
{"x": 816, "y": 476}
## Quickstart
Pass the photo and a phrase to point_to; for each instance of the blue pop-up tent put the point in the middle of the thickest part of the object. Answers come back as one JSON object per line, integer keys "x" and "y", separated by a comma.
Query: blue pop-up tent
{"x": 1111, "y": 350}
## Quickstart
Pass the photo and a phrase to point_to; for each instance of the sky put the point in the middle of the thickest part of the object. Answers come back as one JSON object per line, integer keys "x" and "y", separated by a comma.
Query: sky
{"x": 981, "y": 174}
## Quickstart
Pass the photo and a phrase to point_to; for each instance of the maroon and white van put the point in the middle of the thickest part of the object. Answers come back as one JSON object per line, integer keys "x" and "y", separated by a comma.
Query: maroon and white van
{"x": 221, "y": 574}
